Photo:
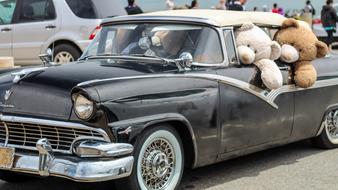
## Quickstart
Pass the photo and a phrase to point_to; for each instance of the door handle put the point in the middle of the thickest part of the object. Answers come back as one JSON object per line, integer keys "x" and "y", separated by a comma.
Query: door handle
{"x": 50, "y": 27}
{"x": 6, "y": 29}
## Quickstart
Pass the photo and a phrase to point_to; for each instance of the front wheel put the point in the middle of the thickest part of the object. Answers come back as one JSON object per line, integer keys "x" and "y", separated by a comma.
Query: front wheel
{"x": 159, "y": 161}
{"x": 328, "y": 138}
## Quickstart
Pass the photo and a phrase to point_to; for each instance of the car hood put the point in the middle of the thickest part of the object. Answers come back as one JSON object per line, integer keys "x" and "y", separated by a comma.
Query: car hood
{"x": 47, "y": 93}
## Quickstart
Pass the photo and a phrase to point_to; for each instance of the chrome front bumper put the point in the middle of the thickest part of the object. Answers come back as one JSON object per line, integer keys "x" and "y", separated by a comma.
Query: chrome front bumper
{"x": 103, "y": 167}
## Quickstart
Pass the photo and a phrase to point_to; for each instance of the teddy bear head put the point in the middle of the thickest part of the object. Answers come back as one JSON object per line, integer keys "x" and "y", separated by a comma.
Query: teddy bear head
{"x": 299, "y": 43}
{"x": 253, "y": 44}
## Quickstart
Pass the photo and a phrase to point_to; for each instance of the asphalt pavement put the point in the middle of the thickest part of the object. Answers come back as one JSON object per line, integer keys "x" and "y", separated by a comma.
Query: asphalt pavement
{"x": 296, "y": 166}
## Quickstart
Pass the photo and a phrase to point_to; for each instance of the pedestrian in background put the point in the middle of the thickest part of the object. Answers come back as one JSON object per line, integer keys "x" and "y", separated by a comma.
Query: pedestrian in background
{"x": 308, "y": 13}
{"x": 194, "y": 5}
{"x": 170, "y": 5}
{"x": 236, "y": 5}
{"x": 221, "y": 5}
{"x": 329, "y": 19}
{"x": 132, "y": 8}
{"x": 275, "y": 8}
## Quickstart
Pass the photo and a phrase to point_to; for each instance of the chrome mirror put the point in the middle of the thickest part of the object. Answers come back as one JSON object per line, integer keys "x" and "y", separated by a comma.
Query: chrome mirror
{"x": 47, "y": 58}
{"x": 186, "y": 59}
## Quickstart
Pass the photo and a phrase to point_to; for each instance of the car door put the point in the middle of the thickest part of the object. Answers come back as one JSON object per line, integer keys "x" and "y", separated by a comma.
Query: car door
{"x": 7, "y": 8}
{"x": 249, "y": 114}
{"x": 35, "y": 23}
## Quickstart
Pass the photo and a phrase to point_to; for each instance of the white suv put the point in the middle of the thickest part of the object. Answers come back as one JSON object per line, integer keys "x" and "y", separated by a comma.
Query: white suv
{"x": 29, "y": 27}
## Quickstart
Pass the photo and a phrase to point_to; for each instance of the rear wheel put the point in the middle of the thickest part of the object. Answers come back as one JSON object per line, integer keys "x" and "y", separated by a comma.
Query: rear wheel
{"x": 65, "y": 53}
{"x": 12, "y": 177}
{"x": 159, "y": 161}
{"x": 328, "y": 138}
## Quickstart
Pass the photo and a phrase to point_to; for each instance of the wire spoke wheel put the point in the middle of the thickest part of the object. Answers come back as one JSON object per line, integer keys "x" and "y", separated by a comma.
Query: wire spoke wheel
{"x": 331, "y": 126}
{"x": 160, "y": 162}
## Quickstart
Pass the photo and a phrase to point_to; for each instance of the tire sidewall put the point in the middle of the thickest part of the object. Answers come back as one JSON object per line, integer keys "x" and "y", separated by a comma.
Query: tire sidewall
{"x": 141, "y": 144}
{"x": 67, "y": 48}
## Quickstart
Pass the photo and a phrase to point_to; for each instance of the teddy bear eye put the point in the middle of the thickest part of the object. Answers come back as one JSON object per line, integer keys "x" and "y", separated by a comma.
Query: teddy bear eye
{"x": 248, "y": 45}
{"x": 292, "y": 44}
{"x": 255, "y": 51}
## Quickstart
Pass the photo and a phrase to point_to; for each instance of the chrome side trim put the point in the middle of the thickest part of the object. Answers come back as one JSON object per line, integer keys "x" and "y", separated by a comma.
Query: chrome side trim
{"x": 266, "y": 95}
{"x": 16, "y": 119}
{"x": 7, "y": 134}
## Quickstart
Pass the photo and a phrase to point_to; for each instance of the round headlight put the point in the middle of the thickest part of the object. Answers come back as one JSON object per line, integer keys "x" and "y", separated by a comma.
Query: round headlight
{"x": 83, "y": 107}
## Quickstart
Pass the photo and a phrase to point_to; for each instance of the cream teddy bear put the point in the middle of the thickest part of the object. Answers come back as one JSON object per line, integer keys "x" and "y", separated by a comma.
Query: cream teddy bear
{"x": 255, "y": 47}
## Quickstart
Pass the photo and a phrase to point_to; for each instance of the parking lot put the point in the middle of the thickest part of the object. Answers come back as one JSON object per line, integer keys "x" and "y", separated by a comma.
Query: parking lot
{"x": 296, "y": 166}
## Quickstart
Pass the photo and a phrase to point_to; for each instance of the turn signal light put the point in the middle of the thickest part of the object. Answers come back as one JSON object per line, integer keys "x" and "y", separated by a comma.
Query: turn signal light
{"x": 95, "y": 31}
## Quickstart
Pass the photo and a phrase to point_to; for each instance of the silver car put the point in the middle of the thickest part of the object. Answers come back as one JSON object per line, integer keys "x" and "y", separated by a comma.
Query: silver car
{"x": 29, "y": 27}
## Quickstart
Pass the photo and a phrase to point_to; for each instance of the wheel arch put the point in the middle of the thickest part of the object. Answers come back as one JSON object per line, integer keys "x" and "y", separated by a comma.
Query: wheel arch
{"x": 64, "y": 41}
{"x": 129, "y": 130}
{"x": 328, "y": 109}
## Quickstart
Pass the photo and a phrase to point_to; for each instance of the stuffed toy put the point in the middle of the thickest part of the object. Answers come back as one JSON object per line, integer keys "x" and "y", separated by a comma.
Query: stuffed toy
{"x": 300, "y": 46}
{"x": 256, "y": 47}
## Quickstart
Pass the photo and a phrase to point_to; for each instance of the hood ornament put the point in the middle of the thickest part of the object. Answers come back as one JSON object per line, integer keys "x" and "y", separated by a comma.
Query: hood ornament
{"x": 8, "y": 94}
{"x": 25, "y": 72}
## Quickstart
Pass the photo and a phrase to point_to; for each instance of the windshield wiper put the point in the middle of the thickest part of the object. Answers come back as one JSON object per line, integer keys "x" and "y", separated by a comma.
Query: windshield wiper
{"x": 179, "y": 63}
{"x": 182, "y": 63}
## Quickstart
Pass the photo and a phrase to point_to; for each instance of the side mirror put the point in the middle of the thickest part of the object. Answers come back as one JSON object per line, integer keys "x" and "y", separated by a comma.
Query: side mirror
{"x": 47, "y": 58}
{"x": 186, "y": 59}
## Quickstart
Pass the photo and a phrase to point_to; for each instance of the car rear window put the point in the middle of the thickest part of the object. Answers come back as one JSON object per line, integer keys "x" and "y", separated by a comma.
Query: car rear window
{"x": 96, "y": 9}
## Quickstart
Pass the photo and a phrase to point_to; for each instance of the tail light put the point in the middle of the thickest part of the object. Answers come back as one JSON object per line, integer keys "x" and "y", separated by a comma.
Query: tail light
{"x": 95, "y": 31}
{"x": 316, "y": 21}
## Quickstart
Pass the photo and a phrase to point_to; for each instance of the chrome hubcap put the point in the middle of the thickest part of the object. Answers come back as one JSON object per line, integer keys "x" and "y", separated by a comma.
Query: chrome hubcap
{"x": 332, "y": 124}
{"x": 158, "y": 164}
{"x": 63, "y": 57}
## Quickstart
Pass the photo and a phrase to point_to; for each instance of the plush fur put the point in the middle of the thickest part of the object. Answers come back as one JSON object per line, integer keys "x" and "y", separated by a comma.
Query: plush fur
{"x": 300, "y": 46}
{"x": 255, "y": 47}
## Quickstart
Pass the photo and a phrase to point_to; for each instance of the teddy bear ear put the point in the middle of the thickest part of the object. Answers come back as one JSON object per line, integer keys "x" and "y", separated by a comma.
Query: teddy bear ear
{"x": 322, "y": 49}
{"x": 276, "y": 50}
{"x": 246, "y": 26}
{"x": 290, "y": 23}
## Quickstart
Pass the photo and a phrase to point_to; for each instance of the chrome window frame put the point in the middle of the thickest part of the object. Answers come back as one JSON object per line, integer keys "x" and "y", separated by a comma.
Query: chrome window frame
{"x": 231, "y": 29}
{"x": 177, "y": 20}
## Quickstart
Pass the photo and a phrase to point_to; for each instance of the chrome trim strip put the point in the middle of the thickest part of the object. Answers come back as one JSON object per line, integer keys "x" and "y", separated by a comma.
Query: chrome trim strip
{"x": 7, "y": 134}
{"x": 267, "y": 96}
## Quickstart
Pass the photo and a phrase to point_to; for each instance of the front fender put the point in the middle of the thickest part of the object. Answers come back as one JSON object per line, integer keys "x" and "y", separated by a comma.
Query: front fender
{"x": 128, "y": 130}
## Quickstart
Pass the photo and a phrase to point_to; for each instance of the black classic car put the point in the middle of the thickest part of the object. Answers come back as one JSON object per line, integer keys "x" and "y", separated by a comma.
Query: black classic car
{"x": 152, "y": 94}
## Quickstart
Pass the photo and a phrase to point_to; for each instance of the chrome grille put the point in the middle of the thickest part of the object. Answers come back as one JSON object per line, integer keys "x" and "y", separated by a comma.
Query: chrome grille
{"x": 25, "y": 135}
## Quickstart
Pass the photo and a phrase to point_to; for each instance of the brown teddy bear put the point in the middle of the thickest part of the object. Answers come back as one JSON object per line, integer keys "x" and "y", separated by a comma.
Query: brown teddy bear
{"x": 300, "y": 46}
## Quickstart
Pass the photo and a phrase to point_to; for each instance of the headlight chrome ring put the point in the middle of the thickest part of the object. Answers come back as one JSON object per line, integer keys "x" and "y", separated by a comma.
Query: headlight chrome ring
{"x": 83, "y": 107}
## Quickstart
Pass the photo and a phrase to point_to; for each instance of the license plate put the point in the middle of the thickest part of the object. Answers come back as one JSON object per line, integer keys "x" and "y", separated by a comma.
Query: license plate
{"x": 6, "y": 157}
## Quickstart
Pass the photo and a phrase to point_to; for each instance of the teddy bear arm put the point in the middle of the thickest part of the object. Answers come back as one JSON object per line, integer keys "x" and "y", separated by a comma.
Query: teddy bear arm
{"x": 270, "y": 73}
{"x": 305, "y": 74}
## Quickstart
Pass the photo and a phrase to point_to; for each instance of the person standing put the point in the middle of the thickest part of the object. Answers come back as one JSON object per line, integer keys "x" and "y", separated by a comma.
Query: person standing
{"x": 275, "y": 8}
{"x": 132, "y": 8}
{"x": 329, "y": 19}
{"x": 170, "y": 5}
{"x": 221, "y": 5}
{"x": 194, "y": 5}
{"x": 236, "y": 5}
{"x": 308, "y": 13}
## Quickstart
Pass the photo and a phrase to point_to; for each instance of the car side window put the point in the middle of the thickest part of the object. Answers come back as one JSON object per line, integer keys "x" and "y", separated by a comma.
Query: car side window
{"x": 7, "y": 8}
{"x": 36, "y": 10}
{"x": 230, "y": 47}
{"x": 82, "y": 8}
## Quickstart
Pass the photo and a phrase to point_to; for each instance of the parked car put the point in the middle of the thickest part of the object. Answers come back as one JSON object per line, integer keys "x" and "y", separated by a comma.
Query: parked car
{"x": 29, "y": 27}
{"x": 319, "y": 30}
{"x": 153, "y": 94}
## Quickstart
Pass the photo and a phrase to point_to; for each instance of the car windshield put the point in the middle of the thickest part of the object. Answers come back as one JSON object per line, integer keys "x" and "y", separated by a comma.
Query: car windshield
{"x": 158, "y": 40}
